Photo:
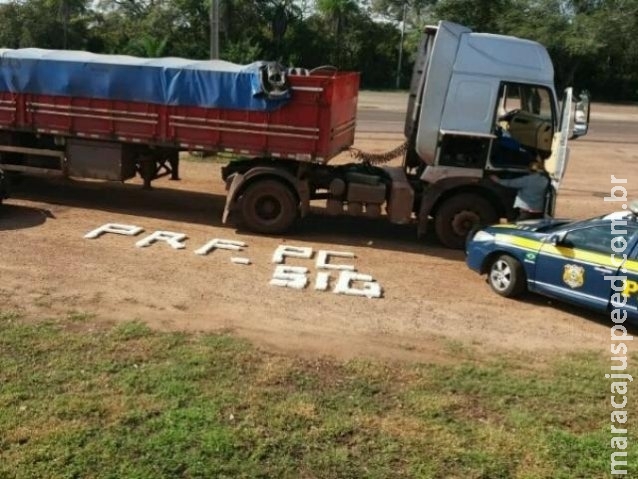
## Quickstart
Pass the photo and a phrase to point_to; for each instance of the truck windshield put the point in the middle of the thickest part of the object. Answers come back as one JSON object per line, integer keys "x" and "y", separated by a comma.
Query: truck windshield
{"x": 531, "y": 99}
{"x": 526, "y": 114}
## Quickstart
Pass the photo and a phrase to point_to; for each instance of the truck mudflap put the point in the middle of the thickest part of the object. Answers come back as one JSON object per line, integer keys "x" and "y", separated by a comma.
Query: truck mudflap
{"x": 236, "y": 182}
{"x": 4, "y": 189}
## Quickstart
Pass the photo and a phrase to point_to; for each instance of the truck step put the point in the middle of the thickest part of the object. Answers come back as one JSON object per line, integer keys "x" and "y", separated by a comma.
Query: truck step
{"x": 401, "y": 196}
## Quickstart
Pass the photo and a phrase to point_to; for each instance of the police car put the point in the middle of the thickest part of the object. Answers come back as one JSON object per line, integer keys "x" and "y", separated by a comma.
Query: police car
{"x": 592, "y": 263}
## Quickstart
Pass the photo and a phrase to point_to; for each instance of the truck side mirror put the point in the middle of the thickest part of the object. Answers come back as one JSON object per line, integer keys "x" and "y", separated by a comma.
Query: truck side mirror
{"x": 581, "y": 115}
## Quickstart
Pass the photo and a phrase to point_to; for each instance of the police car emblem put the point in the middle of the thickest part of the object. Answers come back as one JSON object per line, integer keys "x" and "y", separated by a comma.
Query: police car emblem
{"x": 574, "y": 275}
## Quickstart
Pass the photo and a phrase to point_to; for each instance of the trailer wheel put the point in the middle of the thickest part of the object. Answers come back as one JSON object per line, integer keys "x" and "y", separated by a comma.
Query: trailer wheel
{"x": 268, "y": 206}
{"x": 459, "y": 215}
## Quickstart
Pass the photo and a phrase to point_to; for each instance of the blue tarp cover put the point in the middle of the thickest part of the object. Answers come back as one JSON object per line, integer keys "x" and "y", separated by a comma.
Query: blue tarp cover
{"x": 166, "y": 81}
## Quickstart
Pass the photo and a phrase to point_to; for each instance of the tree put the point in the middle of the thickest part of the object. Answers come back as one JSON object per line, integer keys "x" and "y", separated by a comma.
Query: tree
{"x": 419, "y": 11}
{"x": 591, "y": 42}
{"x": 337, "y": 12}
{"x": 30, "y": 24}
{"x": 479, "y": 15}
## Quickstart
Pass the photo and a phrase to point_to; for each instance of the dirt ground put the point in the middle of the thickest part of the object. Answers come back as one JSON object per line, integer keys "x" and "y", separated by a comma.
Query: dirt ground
{"x": 432, "y": 303}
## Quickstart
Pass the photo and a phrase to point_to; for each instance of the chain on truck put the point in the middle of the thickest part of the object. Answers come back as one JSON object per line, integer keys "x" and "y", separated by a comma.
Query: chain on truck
{"x": 479, "y": 104}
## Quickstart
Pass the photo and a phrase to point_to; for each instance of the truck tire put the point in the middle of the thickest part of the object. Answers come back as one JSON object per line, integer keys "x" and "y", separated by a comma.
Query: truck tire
{"x": 268, "y": 206}
{"x": 506, "y": 276}
{"x": 459, "y": 215}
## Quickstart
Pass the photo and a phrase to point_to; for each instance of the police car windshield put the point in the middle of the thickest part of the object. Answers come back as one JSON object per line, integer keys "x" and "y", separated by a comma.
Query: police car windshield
{"x": 620, "y": 215}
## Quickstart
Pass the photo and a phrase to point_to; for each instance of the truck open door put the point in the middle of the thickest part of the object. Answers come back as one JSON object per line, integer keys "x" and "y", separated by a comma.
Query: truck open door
{"x": 571, "y": 125}
{"x": 556, "y": 164}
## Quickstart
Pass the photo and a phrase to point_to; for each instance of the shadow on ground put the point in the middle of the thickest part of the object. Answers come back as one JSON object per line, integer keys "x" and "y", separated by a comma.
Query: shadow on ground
{"x": 550, "y": 304}
{"x": 17, "y": 217}
{"x": 165, "y": 203}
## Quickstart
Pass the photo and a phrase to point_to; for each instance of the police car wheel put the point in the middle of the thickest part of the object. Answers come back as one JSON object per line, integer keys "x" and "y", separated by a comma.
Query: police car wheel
{"x": 506, "y": 276}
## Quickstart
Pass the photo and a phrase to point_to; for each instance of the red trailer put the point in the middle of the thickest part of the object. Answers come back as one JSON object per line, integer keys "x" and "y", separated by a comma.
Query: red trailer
{"x": 115, "y": 139}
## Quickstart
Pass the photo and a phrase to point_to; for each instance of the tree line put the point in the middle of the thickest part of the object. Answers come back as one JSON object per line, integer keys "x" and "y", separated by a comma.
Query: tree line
{"x": 590, "y": 41}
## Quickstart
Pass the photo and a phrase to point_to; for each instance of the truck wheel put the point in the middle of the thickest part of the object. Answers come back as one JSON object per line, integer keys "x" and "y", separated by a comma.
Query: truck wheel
{"x": 507, "y": 276}
{"x": 459, "y": 215}
{"x": 268, "y": 206}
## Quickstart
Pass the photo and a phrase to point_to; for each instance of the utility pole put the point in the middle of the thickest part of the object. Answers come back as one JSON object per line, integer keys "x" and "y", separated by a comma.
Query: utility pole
{"x": 64, "y": 13}
{"x": 405, "y": 10}
{"x": 214, "y": 29}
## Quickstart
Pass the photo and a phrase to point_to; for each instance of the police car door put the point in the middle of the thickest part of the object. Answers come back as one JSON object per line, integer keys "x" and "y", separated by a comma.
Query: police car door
{"x": 573, "y": 265}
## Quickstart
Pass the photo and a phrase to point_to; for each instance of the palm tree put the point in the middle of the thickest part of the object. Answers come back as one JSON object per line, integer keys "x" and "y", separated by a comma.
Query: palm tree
{"x": 337, "y": 11}
{"x": 281, "y": 13}
{"x": 148, "y": 47}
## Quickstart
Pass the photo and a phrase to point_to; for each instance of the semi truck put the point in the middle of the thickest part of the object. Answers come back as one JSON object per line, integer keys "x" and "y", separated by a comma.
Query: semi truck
{"x": 479, "y": 105}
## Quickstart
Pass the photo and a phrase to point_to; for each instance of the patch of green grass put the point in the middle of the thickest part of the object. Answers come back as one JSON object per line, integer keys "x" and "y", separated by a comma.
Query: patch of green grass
{"x": 126, "y": 401}
{"x": 79, "y": 316}
{"x": 8, "y": 316}
{"x": 131, "y": 330}
{"x": 457, "y": 349}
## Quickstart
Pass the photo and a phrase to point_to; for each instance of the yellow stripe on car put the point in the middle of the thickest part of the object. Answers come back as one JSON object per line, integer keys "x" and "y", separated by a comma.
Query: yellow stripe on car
{"x": 525, "y": 243}
{"x": 630, "y": 265}
{"x": 536, "y": 246}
